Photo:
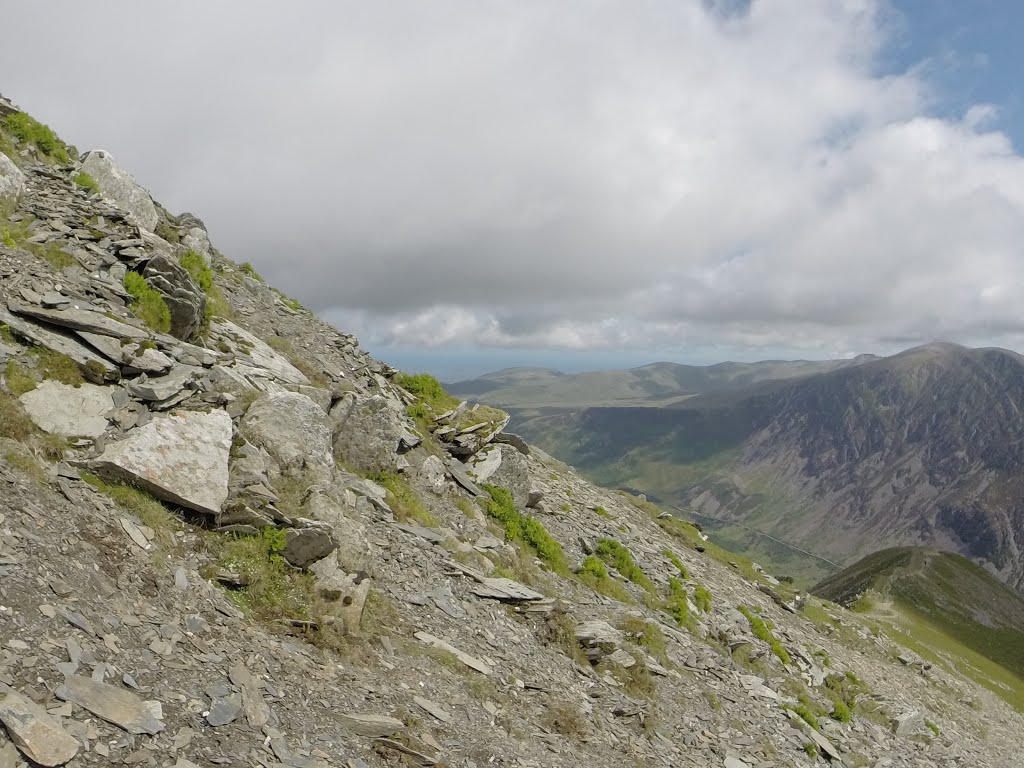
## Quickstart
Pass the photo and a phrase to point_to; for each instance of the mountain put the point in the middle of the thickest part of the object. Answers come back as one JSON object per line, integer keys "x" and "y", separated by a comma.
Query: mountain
{"x": 922, "y": 448}
{"x": 230, "y": 536}
{"x": 657, "y": 384}
{"x": 936, "y": 595}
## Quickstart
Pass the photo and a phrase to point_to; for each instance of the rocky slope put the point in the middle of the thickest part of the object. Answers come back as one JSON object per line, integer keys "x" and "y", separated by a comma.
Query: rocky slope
{"x": 243, "y": 541}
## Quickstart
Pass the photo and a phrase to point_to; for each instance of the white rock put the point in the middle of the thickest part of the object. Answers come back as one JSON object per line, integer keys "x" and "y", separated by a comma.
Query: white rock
{"x": 181, "y": 458}
{"x": 120, "y": 187}
{"x": 12, "y": 180}
{"x": 61, "y": 409}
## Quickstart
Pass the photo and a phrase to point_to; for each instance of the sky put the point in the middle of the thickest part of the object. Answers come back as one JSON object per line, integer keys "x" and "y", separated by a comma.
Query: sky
{"x": 469, "y": 185}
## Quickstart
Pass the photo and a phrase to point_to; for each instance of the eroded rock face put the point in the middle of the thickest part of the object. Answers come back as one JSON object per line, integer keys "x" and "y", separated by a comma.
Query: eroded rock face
{"x": 120, "y": 187}
{"x": 505, "y": 466}
{"x": 185, "y": 299}
{"x": 291, "y": 428}
{"x": 12, "y": 180}
{"x": 181, "y": 458}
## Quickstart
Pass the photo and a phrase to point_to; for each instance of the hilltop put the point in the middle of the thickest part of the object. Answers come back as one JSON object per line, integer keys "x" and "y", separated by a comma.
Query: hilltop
{"x": 232, "y": 537}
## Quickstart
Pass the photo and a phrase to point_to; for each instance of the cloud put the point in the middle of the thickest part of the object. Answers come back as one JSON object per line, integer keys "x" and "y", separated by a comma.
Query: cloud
{"x": 656, "y": 175}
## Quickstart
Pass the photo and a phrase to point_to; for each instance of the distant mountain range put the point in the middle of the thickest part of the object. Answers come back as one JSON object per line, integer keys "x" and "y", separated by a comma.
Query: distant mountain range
{"x": 840, "y": 458}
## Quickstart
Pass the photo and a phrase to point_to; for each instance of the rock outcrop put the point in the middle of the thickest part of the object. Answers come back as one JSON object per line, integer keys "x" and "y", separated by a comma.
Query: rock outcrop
{"x": 121, "y": 188}
{"x": 12, "y": 181}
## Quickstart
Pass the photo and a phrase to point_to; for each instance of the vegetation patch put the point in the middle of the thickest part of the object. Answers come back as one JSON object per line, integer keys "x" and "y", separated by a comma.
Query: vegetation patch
{"x": 523, "y": 528}
{"x": 57, "y": 366}
{"x": 149, "y": 304}
{"x": 216, "y": 304}
{"x": 761, "y": 631}
{"x": 273, "y": 589}
{"x": 702, "y": 598}
{"x": 28, "y": 130}
{"x": 594, "y": 574}
{"x": 403, "y": 500}
{"x": 52, "y": 254}
{"x": 86, "y": 181}
{"x": 18, "y": 378}
{"x": 619, "y": 557}
{"x": 677, "y": 605}
{"x": 674, "y": 559}
{"x": 647, "y": 635}
{"x": 146, "y": 507}
{"x": 248, "y": 269}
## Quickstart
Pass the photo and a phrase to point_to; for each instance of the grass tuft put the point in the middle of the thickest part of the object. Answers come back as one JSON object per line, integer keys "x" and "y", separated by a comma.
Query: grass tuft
{"x": 523, "y": 528}
{"x": 619, "y": 557}
{"x": 149, "y": 304}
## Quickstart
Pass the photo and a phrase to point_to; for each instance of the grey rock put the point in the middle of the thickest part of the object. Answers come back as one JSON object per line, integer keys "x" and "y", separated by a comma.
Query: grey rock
{"x": 39, "y": 736}
{"x": 79, "y": 319}
{"x": 121, "y": 188}
{"x": 374, "y": 726}
{"x": 65, "y": 410}
{"x": 115, "y": 705}
{"x": 12, "y": 180}
{"x": 181, "y": 458}
{"x": 461, "y": 475}
{"x": 160, "y": 388}
{"x": 503, "y": 465}
{"x": 254, "y": 358}
{"x": 291, "y": 428}
{"x": 312, "y": 541}
{"x": 369, "y": 438}
{"x": 433, "y": 472}
{"x": 185, "y": 299}
{"x": 224, "y": 710}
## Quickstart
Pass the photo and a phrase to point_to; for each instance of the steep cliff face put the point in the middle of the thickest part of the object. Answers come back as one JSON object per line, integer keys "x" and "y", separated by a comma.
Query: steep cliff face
{"x": 231, "y": 537}
{"x": 923, "y": 448}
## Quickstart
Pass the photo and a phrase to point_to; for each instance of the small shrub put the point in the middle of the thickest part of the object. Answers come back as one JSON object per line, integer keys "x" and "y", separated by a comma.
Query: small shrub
{"x": 248, "y": 269}
{"x": 841, "y": 713}
{"x": 523, "y": 528}
{"x": 803, "y": 711}
{"x": 933, "y": 727}
{"x": 594, "y": 574}
{"x": 601, "y": 512}
{"x": 674, "y": 559}
{"x": 647, "y": 635}
{"x": 86, "y": 181}
{"x": 149, "y": 304}
{"x": 811, "y": 749}
{"x": 619, "y": 557}
{"x": 676, "y": 605}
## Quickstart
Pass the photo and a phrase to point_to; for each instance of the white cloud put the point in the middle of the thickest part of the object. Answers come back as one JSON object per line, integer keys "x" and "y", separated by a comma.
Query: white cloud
{"x": 648, "y": 174}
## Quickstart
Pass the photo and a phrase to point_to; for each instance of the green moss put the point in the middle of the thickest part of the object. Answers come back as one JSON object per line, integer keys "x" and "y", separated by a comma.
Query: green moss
{"x": 674, "y": 559}
{"x": 811, "y": 749}
{"x": 619, "y": 557}
{"x": 28, "y": 130}
{"x": 594, "y": 574}
{"x": 86, "y": 181}
{"x": 56, "y": 366}
{"x": 149, "y": 304}
{"x": 523, "y": 528}
{"x": 761, "y": 631}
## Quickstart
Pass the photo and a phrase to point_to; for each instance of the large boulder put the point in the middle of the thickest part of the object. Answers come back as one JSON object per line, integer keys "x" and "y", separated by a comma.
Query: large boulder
{"x": 12, "y": 181}
{"x": 181, "y": 458}
{"x": 121, "y": 188}
{"x": 185, "y": 299}
{"x": 291, "y": 428}
{"x": 368, "y": 437}
{"x": 194, "y": 236}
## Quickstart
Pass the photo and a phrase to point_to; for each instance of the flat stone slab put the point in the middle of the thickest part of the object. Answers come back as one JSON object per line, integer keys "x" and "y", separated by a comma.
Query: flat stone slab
{"x": 470, "y": 661}
{"x": 61, "y": 409}
{"x": 87, "y": 320}
{"x": 39, "y": 736}
{"x": 115, "y": 705}
{"x": 181, "y": 458}
{"x": 374, "y": 726}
